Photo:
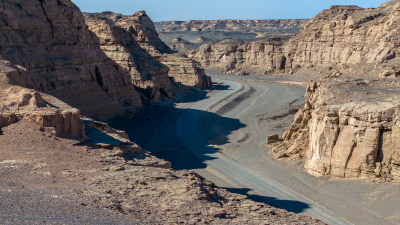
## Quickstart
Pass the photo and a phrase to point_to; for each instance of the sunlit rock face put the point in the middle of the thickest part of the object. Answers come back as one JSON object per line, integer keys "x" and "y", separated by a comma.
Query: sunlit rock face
{"x": 139, "y": 28}
{"x": 347, "y": 35}
{"x": 345, "y": 134}
{"x": 50, "y": 40}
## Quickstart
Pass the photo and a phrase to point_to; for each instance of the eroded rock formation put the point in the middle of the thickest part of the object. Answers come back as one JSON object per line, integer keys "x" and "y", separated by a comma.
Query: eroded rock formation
{"x": 271, "y": 26}
{"x": 241, "y": 58}
{"x": 148, "y": 75}
{"x": 18, "y": 103}
{"x": 346, "y": 131}
{"x": 349, "y": 125}
{"x": 61, "y": 57}
{"x": 346, "y": 36}
{"x": 340, "y": 38}
{"x": 140, "y": 27}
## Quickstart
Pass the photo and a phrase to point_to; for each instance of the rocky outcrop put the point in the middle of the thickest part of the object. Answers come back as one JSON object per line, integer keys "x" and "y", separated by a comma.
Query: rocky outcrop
{"x": 148, "y": 75}
{"x": 241, "y": 58}
{"x": 339, "y": 38}
{"x": 346, "y": 131}
{"x": 186, "y": 71}
{"x": 346, "y": 36}
{"x": 60, "y": 56}
{"x": 245, "y": 26}
{"x": 140, "y": 27}
{"x": 183, "y": 70}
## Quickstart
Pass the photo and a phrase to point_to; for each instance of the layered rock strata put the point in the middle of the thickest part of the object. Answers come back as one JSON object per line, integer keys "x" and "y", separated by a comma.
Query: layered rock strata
{"x": 148, "y": 75}
{"x": 60, "y": 56}
{"x": 241, "y": 58}
{"x": 346, "y": 36}
{"x": 18, "y": 103}
{"x": 346, "y": 133}
{"x": 182, "y": 69}
{"x": 339, "y": 38}
{"x": 255, "y": 26}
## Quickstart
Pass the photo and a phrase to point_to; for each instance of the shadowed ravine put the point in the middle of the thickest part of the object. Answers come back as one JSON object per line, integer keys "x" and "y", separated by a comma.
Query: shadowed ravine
{"x": 176, "y": 136}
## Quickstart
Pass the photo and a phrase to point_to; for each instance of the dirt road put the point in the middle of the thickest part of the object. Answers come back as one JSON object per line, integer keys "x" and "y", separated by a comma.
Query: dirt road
{"x": 220, "y": 135}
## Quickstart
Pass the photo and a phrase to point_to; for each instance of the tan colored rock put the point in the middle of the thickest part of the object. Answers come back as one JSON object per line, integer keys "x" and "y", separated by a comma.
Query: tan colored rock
{"x": 51, "y": 43}
{"x": 141, "y": 29}
{"x": 248, "y": 26}
{"x": 148, "y": 75}
{"x": 344, "y": 137}
{"x": 238, "y": 57}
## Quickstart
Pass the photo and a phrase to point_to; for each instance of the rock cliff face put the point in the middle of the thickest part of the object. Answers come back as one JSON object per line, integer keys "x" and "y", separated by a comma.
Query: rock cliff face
{"x": 346, "y": 131}
{"x": 346, "y": 35}
{"x": 18, "y": 103}
{"x": 349, "y": 125}
{"x": 339, "y": 37}
{"x": 50, "y": 40}
{"x": 148, "y": 75}
{"x": 241, "y": 58}
{"x": 247, "y": 26}
{"x": 140, "y": 27}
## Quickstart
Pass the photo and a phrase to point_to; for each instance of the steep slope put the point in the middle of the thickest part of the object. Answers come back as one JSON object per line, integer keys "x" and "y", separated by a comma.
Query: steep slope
{"x": 148, "y": 75}
{"x": 247, "y": 26}
{"x": 239, "y": 57}
{"x": 182, "y": 69}
{"x": 349, "y": 125}
{"x": 345, "y": 36}
{"x": 50, "y": 40}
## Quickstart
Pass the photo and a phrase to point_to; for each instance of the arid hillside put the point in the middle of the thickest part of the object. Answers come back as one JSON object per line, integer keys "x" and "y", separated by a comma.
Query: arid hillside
{"x": 348, "y": 127}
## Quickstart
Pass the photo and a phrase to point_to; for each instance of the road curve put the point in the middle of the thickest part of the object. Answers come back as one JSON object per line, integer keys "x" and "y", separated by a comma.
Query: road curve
{"x": 233, "y": 173}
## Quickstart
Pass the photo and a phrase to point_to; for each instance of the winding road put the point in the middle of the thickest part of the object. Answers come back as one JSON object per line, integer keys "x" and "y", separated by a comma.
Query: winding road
{"x": 234, "y": 175}
{"x": 220, "y": 134}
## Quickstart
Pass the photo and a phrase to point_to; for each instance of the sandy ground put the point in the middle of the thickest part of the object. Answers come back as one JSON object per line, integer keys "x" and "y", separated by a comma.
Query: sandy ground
{"x": 233, "y": 129}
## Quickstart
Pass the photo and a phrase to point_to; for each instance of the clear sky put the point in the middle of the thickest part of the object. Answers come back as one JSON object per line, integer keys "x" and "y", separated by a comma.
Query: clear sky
{"x": 165, "y": 10}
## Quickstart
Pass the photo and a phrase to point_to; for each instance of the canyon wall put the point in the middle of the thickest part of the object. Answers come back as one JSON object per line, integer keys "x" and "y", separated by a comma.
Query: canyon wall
{"x": 60, "y": 56}
{"x": 339, "y": 38}
{"x": 148, "y": 75}
{"x": 346, "y": 36}
{"x": 270, "y": 26}
{"x": 241, "y": 58}
{"x": 349, "y": 126}
{"x": 346, "y": 133}
{"x": 140, "y": 27}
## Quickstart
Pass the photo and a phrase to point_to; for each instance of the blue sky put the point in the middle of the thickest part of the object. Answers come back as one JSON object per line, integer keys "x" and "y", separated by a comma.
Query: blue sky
{"x": 164, "y": 10}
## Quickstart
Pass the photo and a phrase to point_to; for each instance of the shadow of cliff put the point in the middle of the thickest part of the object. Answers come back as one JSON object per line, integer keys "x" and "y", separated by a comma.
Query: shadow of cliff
{"x": 197, "y": 94}
{"x": 155, "y": 129}
{"x": 289, "y": 205}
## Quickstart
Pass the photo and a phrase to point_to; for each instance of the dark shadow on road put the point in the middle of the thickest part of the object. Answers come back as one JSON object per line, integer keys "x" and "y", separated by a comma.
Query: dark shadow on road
{"x": 198, "y": 95}
{"x": 289, "y": 205}
{"x": 154, "y": 130}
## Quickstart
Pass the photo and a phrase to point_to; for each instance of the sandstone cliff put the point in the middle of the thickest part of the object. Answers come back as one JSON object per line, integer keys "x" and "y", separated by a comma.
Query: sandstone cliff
{"x": 346, "y": 36}
{"x": 349, "y": 125}
{"x": 140, "y": 27}
{"x": 338, "y": 38}
{"x": 245, "y": 26}
{"x": 148, "y": 75}
{"x": 239, "y": 57}
{"x": 348, "y": 129}
{"x": 18, "y": 103}
{"x": 50, "y": 40}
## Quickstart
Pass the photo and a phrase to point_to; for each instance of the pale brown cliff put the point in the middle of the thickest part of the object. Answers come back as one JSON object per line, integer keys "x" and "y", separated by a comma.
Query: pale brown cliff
{"x": 182, "y": 69}
{"x": 349, "y": 125}
{"x": 347, "y": 129}
{"x": 346, "y": 36}
{"x": 148, "y": 75}
{"x": 338, "y": 38}
{"x": 50, "y": 40}
{"x": 255, "y": 26}
{"x": 241, "y": 58}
